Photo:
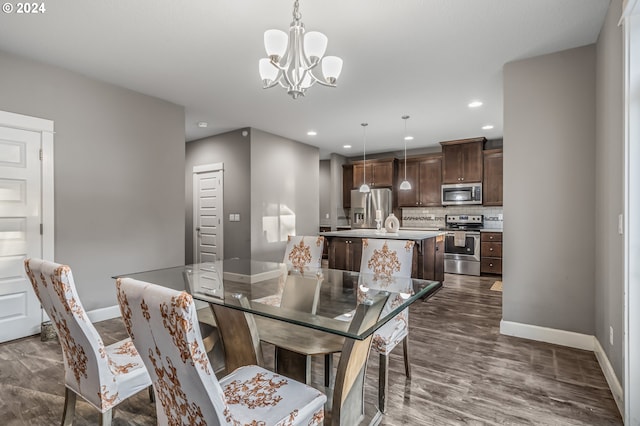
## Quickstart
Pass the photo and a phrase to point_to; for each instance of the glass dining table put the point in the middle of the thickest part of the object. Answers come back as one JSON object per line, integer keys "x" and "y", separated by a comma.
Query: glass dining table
{"x": 252, "y": 299}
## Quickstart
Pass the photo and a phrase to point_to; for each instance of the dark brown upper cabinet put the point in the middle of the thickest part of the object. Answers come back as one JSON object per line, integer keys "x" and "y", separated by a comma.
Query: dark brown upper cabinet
{"x": 492, "y": 182}
{"x": 379, "y": 173}
{"x": 462, "y": 160}
{"x": 425, "y": 176}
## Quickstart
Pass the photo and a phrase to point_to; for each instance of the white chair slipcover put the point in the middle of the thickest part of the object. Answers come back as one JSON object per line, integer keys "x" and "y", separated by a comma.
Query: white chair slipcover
{"x": 103, "y": 375}
{"x": 303, "y": 254}
{"x": 388, "y": 261}
{"x": 162, "y": 323}
{"x": 385, "y": 259}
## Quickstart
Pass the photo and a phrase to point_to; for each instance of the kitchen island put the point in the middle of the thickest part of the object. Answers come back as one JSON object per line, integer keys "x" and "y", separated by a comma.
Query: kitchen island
{"x": 345, "y": 250}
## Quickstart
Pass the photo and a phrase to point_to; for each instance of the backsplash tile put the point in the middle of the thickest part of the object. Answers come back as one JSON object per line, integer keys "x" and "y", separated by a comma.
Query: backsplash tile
{"x": 433, "y": 217}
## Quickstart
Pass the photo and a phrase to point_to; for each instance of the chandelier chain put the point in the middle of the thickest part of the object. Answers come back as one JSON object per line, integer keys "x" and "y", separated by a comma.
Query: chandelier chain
{"x": 296, "y": 14}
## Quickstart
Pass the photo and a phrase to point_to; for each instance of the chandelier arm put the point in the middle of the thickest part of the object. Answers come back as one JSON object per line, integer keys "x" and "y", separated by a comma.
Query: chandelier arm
{"x": 324, "y": 83}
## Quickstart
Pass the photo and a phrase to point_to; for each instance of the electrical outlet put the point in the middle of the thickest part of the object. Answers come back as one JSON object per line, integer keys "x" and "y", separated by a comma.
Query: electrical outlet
{"x": 611, "y": 335}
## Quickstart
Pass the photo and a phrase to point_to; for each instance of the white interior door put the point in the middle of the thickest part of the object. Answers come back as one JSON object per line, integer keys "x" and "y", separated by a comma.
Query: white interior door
{"x": 207, "y": 213}
{"x": 20, "y": 235}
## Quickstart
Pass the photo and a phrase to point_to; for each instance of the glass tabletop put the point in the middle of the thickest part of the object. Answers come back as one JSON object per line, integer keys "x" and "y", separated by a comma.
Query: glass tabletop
{"x": 272, "y": 290}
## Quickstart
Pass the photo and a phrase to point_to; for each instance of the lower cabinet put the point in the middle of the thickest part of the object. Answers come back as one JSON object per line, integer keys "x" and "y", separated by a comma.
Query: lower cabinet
{"x": 344, "y": 253}
{"x": 491, "y": 253}
{"x": 428, "y": 256}
{"x": 430, "y": 259}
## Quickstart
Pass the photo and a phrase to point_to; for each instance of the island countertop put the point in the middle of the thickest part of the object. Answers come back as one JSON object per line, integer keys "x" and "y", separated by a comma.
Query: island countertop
{"x": 402, "y": 234}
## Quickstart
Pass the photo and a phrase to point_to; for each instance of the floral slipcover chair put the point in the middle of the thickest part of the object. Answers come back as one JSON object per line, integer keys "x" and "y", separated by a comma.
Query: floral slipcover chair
{"x": 383, "y": 261}
{"x": 303, "y": 255}
{"x": 102, "y": 375}
{"x": 163, "y": 325}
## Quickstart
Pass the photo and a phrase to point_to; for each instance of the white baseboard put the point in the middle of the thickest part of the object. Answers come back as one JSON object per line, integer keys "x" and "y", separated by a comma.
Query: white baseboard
{"x": 610, "y": 375}
{"x": 572, "y": 340}
{"x": 103, "y": 314}
{"x": 549, "y": 335}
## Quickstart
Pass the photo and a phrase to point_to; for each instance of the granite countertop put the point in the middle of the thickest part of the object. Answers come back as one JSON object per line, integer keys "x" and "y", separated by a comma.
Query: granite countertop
{"x": 402, "y": 234}
{"x": 491, "y": 230}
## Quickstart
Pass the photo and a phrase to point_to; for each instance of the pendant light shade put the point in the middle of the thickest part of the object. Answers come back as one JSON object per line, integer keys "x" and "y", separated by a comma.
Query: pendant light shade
{"x": 364, "y": 187}
{"x": 405, "y": 185}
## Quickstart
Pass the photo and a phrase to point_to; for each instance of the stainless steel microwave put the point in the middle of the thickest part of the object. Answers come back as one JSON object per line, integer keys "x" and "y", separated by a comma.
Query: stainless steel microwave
{"x": 461, "y": 193}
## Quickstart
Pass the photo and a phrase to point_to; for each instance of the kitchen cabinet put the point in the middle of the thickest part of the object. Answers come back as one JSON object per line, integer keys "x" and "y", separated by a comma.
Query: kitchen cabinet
{"x": 344, "y": 253}
{"x": 325, "y": 247}
{"x": 491, "y": 253}
{"x": 425, "y": 176}
{"x": 430, "y": 259}
{"x": 492, "y": 181}
{"x": 379, "y": 173}
{"x": 347, "y": 185}
{"x": 462, "y": 160}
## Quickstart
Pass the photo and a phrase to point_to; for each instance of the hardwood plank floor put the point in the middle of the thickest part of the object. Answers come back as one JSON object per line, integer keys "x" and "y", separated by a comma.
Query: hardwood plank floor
{"x": 464, "y": 372}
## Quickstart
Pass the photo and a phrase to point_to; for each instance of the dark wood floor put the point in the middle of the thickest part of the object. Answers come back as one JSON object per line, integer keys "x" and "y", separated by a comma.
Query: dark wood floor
{"x": 464, "y": 372}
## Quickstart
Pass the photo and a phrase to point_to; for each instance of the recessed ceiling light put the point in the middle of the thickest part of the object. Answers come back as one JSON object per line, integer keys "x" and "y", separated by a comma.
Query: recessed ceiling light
{"x": 408, "y": 138}
{"x": 487, "y": 127}
{"x": 475, "y": 104}
{"x": 346, "y": 146}
{"x": 312, "y": 133}
{"x": 202, "y": 124}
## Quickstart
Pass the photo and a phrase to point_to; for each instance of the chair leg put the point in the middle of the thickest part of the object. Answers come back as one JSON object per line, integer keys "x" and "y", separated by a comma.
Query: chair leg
{"x": 407, "y": 362}
{"x": 383, "y": 382}
{"x": 328, "y": 369}
{"x": 106, "y": 417}
{"x": 152, "y": 396}
{"x": 69, "y": 407}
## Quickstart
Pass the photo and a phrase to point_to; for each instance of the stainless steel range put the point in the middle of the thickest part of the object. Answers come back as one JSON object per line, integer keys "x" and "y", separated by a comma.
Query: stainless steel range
{"x": 462, "y": 244}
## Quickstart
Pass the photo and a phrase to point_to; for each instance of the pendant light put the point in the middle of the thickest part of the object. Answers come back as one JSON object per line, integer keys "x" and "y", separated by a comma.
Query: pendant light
{"x": 364, "y": 187}
{"x": 405, "y": 185}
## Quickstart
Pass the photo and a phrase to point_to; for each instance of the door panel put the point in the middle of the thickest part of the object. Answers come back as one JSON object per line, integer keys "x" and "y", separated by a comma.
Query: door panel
{"x": 20, "y": 218}
{"x": 208, "y": 219}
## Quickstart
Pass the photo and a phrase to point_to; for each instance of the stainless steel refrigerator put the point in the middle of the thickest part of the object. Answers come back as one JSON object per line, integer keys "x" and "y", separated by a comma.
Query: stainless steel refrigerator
{"x": 364, "y": 206}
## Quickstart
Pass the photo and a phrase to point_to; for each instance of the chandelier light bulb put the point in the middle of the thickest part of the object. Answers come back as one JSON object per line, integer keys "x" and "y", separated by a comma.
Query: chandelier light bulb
{"x": 294, "y": 56}
{"x": 315, "y": 44}
{"x": 275, "y": 43}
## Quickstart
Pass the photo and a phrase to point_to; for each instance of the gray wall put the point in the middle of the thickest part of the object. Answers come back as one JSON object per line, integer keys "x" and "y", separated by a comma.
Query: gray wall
{"x": 284, "y": 193}
{"x": 234, "y": 151}
{"x": 119, "y": 170}
{"x": 609, "y": 256}
{"x": 549, "y": 197}
{"x": 325, "y": 193}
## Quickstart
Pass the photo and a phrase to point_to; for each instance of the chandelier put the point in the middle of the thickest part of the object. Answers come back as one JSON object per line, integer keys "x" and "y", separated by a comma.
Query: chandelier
{"x": 293, "y": 57}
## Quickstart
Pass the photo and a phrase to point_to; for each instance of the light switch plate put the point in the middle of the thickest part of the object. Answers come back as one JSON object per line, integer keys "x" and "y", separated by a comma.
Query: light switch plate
{"x": 237, "y": 217}
{"x": 230, "y": 217}
{"x": 620, "y": 224}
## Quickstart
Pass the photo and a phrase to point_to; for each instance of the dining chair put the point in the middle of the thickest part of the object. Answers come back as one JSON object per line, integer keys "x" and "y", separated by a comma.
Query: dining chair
{"x": 162, "y": 324}
{"x": 383, "y": 260}
{"x": 102, "y": 375}
{"x": 302, "y": 254}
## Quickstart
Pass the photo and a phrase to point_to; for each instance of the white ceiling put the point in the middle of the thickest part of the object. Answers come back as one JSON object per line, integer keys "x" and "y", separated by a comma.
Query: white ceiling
{"x": 424, "y": 58}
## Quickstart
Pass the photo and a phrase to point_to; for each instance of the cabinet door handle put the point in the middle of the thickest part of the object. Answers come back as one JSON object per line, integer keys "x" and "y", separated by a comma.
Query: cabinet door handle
{"x": 491, "y": 264}
{"x": 491, "y": 249}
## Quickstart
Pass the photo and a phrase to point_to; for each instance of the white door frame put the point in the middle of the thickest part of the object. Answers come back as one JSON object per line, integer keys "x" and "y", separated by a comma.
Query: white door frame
{"x": 45, "y": 128}
{"x": 213, "y": 167}
{"x": 631, "y": 27}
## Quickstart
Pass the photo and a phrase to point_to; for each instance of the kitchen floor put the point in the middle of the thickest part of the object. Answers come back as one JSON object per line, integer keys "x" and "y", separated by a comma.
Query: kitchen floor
{"x": 464, "y": 372}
